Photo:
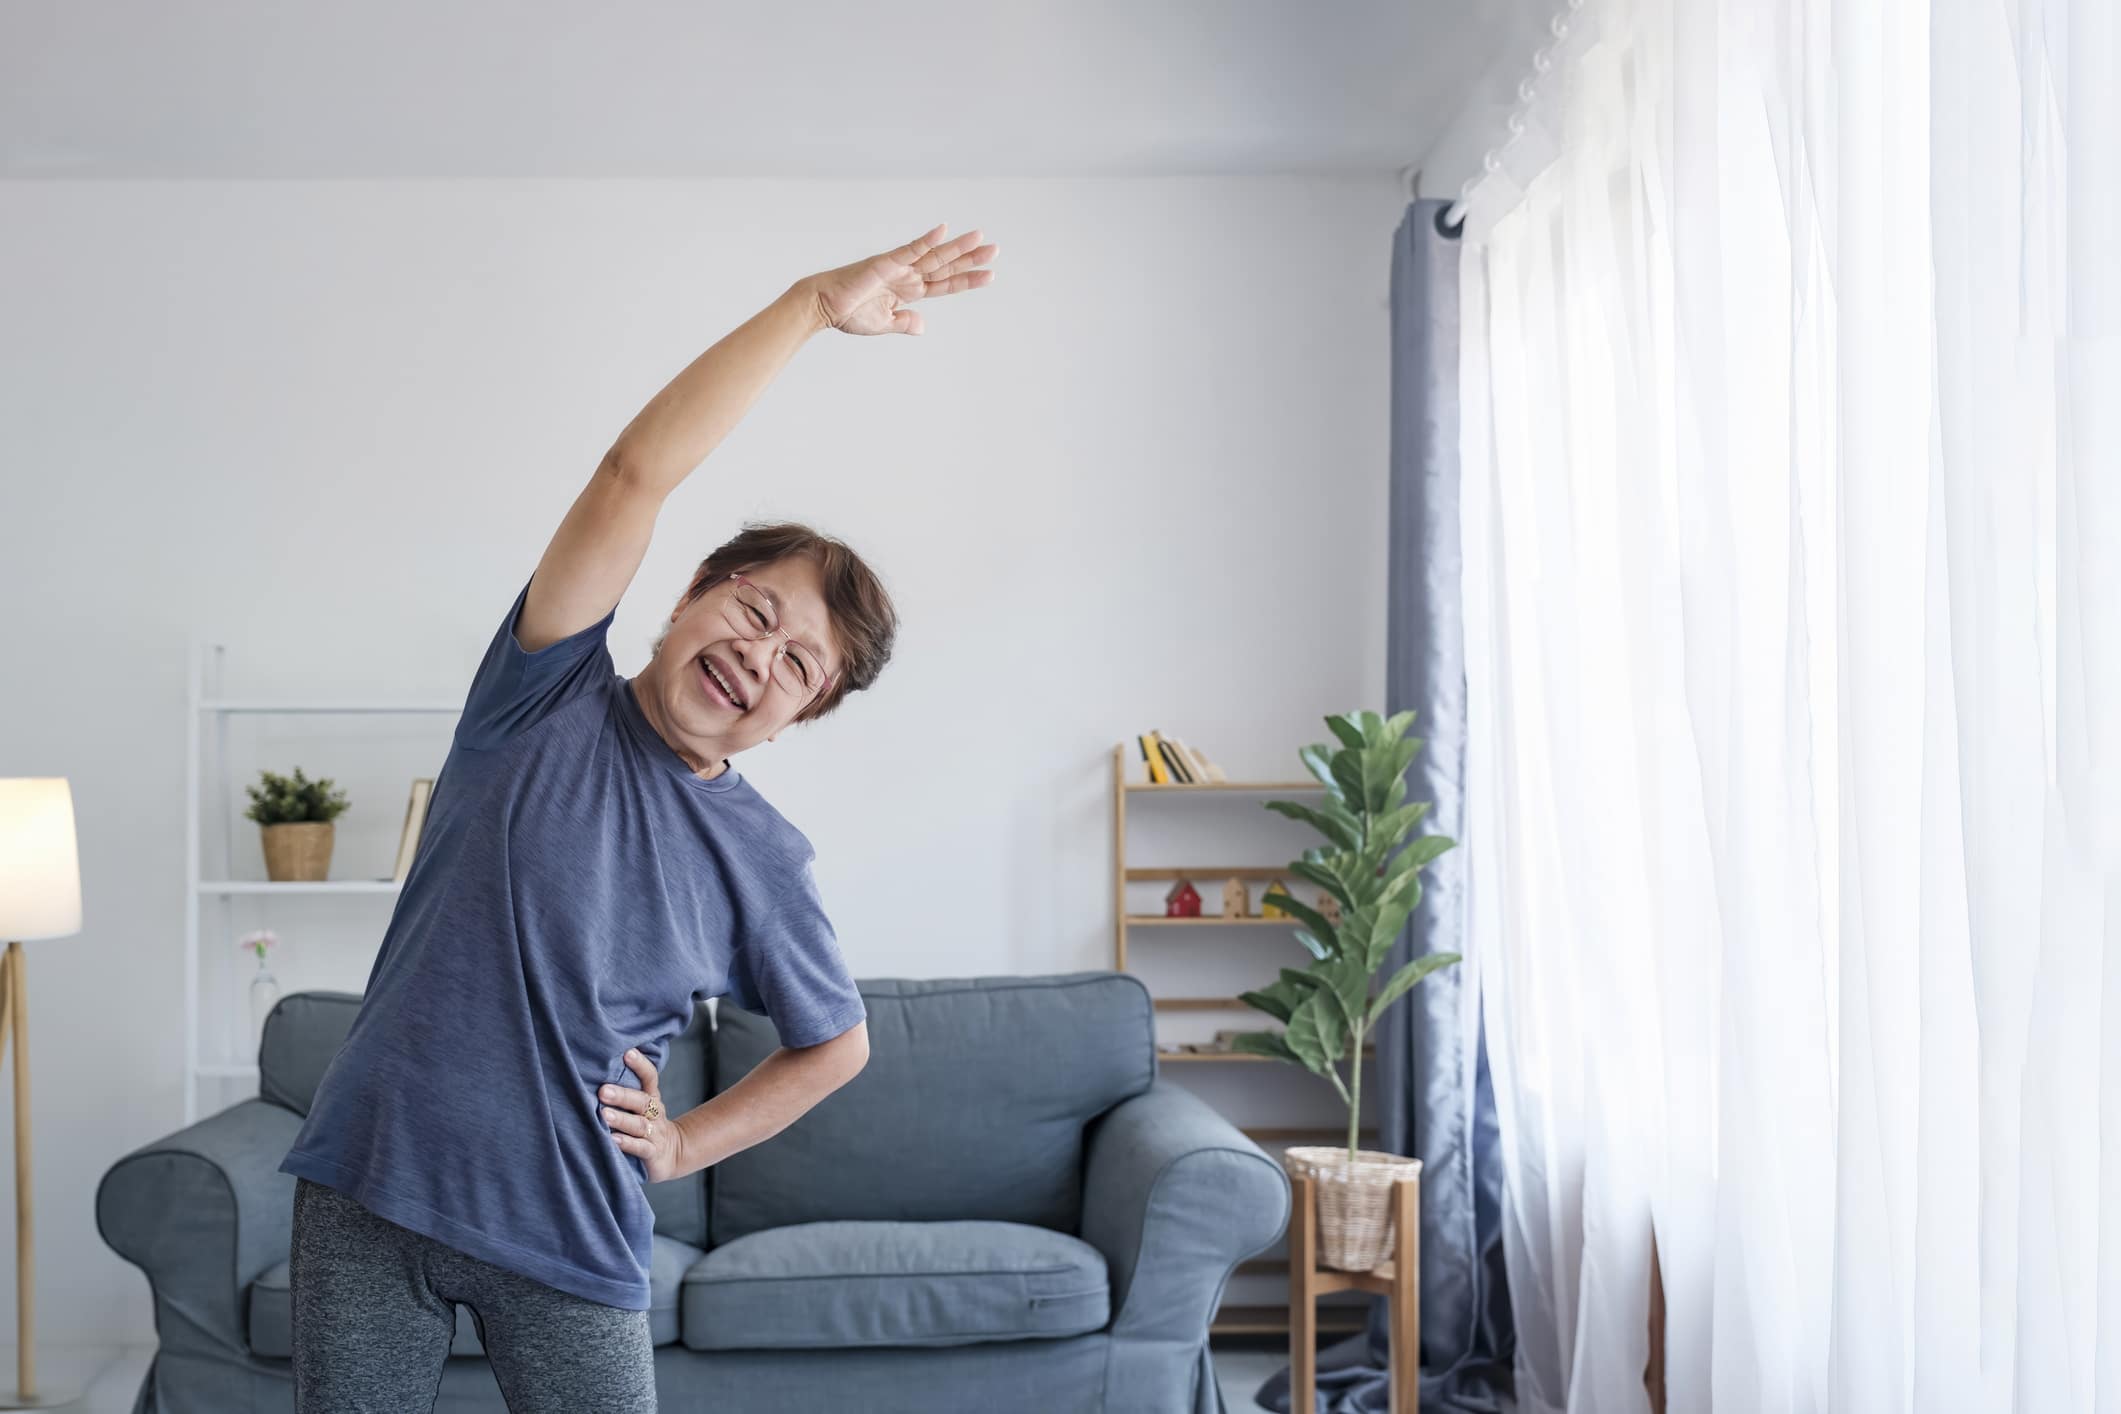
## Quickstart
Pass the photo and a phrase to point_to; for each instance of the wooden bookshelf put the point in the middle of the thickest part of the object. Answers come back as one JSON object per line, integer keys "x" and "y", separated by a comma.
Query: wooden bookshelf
{"x": 1211, "y": 920}
{"x": 1239, "y": 787}
{"x": 1230, "y": 1320}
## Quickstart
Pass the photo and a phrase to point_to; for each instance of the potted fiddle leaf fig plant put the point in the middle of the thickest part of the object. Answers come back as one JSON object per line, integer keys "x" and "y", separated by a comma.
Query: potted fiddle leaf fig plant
{"x": 295, "y": 814}
{"x": 1371, "y": 869}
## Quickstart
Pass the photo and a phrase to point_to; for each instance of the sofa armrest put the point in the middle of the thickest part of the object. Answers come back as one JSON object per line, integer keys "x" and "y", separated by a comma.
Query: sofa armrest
{"x": 1176, "y": 1196}
{"x": 203, "y": 1211}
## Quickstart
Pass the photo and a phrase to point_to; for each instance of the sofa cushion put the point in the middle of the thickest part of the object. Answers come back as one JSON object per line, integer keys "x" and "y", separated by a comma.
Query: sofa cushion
{"x": 839, "y": 1284}
{"x": 272, "y": 1316}
{"x": 972, "y": 1105}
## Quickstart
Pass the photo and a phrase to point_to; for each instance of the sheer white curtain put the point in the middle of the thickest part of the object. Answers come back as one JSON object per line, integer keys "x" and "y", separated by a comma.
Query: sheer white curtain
{"x": 1793, "y": 591}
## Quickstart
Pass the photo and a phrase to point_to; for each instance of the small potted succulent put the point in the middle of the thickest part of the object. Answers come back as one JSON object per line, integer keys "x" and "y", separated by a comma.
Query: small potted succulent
{"x": 1371, "y": 870}
{"x": 295, "y": 814}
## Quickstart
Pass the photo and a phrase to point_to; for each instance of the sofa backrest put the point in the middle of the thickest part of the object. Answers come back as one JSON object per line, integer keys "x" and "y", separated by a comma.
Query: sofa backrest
{"x": 973, "y": 1105}
{"x": 302, "y": 1033}
{"x": 685, "y": 1080}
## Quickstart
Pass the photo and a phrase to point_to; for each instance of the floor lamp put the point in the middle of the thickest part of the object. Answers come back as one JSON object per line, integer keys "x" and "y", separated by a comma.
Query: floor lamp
{"x": 40, "y": 897}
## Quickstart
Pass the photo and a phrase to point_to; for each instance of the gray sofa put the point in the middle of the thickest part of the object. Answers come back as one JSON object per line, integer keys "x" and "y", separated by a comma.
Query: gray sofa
{"x": 1007, "y": 1210}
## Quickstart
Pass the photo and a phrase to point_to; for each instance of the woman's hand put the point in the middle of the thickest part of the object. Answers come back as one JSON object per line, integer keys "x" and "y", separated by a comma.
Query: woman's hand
{"x": 870, "y": 296}
{"x": 655, "y": 1142}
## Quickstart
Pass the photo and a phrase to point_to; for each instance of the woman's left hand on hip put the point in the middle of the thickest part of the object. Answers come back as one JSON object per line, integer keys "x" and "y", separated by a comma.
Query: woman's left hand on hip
{"x": 640, "y": 1124}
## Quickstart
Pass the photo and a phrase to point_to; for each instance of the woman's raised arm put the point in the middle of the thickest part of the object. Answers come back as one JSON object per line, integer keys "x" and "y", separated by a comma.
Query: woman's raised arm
{"x": 599, "y": 546}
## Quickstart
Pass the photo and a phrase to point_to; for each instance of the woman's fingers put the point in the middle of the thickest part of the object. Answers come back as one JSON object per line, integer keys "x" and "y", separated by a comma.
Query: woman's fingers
{"x": 934, "y": 259}
{"x": 913, "y": 251}
{"x": 937, "y": 274}
{"x": 629, "y": 1122}
{"x": 970, "y": 280}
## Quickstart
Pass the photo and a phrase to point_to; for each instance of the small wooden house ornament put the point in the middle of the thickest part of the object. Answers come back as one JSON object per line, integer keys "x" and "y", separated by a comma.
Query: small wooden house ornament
{"x": 1266, "y": 900}
{"x": 1236, "y": 901}
{"x": 1329, "y": 908}
{"x": 1183, "y": 901}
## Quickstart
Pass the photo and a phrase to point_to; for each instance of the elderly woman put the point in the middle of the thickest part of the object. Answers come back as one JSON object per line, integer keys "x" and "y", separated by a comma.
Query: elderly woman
{"x": 592, "y": 866}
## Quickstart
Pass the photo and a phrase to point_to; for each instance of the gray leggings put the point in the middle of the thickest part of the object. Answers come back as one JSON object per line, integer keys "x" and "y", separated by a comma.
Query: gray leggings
{"x": 375, "y": 1309}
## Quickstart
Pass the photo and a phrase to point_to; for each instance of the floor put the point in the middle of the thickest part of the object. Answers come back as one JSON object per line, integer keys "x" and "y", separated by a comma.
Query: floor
{"x": 108, "y": 1377}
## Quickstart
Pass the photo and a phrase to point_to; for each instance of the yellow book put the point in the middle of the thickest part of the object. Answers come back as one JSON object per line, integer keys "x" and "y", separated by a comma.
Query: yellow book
{"x": 1159, "y": 774}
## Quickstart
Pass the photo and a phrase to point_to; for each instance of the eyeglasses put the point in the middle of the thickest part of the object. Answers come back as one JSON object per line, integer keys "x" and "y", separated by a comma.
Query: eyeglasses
{"x": 797, "y": 667}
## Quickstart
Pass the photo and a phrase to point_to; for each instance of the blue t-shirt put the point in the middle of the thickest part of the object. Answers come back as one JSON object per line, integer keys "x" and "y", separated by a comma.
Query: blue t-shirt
{"x": 576, "y": 892}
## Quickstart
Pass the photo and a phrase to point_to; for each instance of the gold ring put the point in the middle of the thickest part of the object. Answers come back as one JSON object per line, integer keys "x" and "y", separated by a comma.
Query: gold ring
{"x": 653, "y": 1109}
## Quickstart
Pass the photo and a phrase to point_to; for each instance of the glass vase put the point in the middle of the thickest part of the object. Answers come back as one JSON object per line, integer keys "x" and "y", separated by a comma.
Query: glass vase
{"x": 264, "y": 992}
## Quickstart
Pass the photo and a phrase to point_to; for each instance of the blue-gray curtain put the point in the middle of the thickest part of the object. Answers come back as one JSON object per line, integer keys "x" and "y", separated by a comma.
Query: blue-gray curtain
{"x": 1434, "y": 1098}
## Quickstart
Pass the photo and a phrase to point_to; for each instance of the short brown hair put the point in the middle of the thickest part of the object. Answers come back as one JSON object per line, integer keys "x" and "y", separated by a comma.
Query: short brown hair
{"x": 859, "y": 611}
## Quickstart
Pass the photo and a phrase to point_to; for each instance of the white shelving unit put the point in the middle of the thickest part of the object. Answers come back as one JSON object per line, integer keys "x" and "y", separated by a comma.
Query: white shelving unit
{"x": 207, "y": 714}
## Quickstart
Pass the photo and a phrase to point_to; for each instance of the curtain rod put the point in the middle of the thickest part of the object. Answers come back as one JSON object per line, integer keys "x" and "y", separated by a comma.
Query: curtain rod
{"x": 1454, "y": 216}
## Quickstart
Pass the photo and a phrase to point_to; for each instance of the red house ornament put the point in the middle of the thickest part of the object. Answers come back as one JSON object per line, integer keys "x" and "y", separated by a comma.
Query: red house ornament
{"x": 1183, "y": 901}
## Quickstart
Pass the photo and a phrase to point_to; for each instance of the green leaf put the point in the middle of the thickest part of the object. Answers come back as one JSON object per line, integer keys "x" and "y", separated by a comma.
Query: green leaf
{"x": 1302, "y": 982}
{"x": 1336, "y": 810}
{"x": 1323, "y": 877}
{"x": 1423, "y": 851}
{"x": 1265, "y": 1043}
{"x": 1380, "y": 767}
{"x": 1406, "y": 977}
{"x": 1348, "y": 979}
{"x": 1277, "y": 999}
{"x": 1391, "y": 920}
{"x": 1348, "y": 729}
{"x": 1396, "y": 725}
{"x": 1337, "y": 830}
{"x": 1312, "y": 945}
{"x": 1303, "y": 913}
{"x": 1392, "y": 827}
{"x": 1320, "y": 764}
{"x": 1267, "y": 1002}
{"x": 1317, "y": 1031}
{"x": 1347, "y": 768}
{"x": 1302, "y": 1035}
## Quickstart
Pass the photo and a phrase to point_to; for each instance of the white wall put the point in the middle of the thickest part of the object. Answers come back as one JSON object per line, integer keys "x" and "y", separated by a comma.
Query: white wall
{"x": 1138, "y": 482}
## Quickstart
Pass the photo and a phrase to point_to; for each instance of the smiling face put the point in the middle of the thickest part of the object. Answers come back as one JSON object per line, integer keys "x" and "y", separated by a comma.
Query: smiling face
{"x": 681, "y": 691}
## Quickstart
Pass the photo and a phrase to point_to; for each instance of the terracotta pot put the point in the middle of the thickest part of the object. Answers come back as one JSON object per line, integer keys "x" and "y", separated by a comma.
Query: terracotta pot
{"x": 298, "y": 853}
{"x": 1355, "y": 1228}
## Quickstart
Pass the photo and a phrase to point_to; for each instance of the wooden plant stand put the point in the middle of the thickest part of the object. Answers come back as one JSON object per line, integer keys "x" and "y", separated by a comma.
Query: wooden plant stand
{"x": 1398, "y": 1281}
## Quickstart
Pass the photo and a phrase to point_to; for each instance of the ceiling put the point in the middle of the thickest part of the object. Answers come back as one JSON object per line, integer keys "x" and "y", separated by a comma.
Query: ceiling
{"x": 656, "y": 88}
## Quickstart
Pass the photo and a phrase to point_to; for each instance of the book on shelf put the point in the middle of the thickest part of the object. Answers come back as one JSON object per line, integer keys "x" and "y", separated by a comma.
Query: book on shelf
{"x": 1170, "y": 762}
{"x": 1159, "y": 774}
{"x": 1174, "y": 759}
{"x": 1204, "y": 770}
{"x": 415, "y": 822}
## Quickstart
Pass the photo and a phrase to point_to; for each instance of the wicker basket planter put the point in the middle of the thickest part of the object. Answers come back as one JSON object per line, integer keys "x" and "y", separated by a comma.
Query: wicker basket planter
{"x": 299, "y": 853}
{"x": 1355, "y": 1230}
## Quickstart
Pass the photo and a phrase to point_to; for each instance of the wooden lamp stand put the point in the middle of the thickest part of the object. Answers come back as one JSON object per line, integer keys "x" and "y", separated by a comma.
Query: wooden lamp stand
{"x": 40, "y": 897}
{"x": 1398, "y": 1281}
{"x": 14, "y": 1015}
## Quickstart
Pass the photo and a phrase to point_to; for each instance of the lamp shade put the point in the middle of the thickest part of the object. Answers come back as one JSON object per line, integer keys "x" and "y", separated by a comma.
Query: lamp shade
{"x": 40, "y": 869}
